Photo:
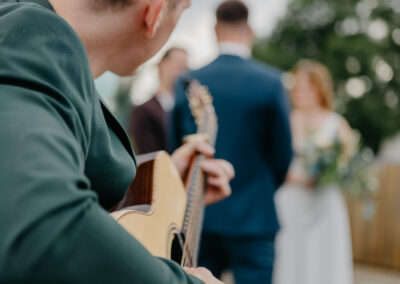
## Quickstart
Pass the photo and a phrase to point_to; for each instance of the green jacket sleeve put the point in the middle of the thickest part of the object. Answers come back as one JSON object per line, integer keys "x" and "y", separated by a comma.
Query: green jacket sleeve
{"x": 52, "y": 229}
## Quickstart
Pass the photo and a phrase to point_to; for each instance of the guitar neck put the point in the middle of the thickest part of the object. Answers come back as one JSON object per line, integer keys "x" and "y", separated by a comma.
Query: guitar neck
{"x": 194, "y": 212}
{"x": 200, "y": 102}
{"x": 193, "y": 223}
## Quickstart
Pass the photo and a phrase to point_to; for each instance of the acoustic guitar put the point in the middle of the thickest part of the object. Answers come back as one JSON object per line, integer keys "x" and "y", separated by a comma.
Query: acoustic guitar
{"x": 161, "y": 212}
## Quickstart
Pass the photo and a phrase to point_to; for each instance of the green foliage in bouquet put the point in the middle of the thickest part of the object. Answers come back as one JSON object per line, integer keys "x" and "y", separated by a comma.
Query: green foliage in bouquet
{"x": 359, "y": 178}
{"x": 322, "y": 162}
{"x": 328, "y": 164}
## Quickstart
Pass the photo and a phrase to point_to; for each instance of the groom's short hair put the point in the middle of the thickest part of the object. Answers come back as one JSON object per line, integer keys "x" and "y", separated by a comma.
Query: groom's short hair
{"x": 232, "y": 12}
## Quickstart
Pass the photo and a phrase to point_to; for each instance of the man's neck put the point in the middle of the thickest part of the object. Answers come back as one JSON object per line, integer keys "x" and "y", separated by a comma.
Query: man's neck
{"x": 99, "y": 32}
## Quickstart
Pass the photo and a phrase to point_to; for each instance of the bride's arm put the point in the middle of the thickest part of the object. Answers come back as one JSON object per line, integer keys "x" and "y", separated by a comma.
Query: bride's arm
{"x": 347, "y": 137}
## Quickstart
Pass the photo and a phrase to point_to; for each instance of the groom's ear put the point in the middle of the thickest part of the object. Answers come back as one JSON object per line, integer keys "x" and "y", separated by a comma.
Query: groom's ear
{"x": 153, "y": 16}
{"x": 251, "y": 34}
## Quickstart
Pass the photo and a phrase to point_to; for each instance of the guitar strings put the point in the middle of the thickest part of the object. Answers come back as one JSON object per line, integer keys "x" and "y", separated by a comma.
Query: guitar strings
{"x": 199, "y": 204}
{"x": 195, "y": 209}
{"x": 194, "y": 214}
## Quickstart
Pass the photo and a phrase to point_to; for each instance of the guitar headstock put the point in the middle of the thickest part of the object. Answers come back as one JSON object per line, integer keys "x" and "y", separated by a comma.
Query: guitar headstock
{"x": 202, "y": 108}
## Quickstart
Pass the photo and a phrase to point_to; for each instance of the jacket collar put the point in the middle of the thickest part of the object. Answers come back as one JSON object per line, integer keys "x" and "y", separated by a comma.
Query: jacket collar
{"x": 43, "y": 3}
{"x": 107, "y": 113}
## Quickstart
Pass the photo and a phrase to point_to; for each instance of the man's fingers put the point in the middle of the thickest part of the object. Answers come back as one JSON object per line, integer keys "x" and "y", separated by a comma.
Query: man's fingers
{"x": 228, "y": 168}
{"x": 204, "y": 148}
{"x": 212, "y": 168}
{"x": 219, "y": 172}
{"x": 218, "y": 186}
{"x": 199, "y": 146}
{"x": 203, "y": 274}
{"x": 183, "y": 155}
{"x": 218, "y": 168}
{"x": 215, "y": 181}
{"x": 214, "y": 195}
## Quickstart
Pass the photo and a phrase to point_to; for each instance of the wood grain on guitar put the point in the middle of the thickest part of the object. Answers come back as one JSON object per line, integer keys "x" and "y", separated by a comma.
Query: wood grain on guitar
{"x": 161, "y": 212}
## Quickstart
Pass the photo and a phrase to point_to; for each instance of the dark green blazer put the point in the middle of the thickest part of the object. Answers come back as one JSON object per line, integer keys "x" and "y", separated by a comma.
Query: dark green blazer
{"x": 64, "y": 160}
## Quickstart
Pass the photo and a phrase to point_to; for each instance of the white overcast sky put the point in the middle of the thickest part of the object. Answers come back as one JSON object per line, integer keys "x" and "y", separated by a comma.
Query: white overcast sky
{"x": 195, "y": 32}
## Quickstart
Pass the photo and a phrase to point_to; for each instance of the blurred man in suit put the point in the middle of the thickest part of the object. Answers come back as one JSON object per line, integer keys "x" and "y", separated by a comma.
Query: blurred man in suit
{"x": 149, "y": 122}
{"x": 254, "y": 135}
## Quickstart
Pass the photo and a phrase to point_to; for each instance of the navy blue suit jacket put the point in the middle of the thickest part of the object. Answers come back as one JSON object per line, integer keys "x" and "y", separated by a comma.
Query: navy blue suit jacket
{"x": 254, "y": 135}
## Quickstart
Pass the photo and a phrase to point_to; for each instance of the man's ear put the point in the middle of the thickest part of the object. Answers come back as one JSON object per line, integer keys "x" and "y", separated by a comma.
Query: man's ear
{"x": 216, "y": 29}
{"x": 251, "y": 33}
{"x": 153, "y": 16}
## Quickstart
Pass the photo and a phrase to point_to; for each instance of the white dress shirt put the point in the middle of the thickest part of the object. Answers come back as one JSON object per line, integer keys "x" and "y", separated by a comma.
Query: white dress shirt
{"x": 234, "y": 48}
{"x": 167, "y": 101}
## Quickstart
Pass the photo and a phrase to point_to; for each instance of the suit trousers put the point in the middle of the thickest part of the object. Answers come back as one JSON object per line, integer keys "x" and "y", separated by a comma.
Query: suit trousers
{"x": 251, "y": 259}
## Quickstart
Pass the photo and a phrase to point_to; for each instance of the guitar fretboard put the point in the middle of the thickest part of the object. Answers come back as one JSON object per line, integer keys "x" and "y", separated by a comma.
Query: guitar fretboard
{"x": 204, "y": 114}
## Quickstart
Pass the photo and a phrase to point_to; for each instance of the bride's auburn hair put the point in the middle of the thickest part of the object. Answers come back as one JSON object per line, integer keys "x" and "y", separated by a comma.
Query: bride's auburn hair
{"x": 320, "y": 78}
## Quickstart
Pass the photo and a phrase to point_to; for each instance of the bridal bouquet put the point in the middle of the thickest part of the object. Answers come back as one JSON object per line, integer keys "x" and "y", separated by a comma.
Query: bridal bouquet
{"x": 336, "y": 163}
{"x": 359, "y": 177}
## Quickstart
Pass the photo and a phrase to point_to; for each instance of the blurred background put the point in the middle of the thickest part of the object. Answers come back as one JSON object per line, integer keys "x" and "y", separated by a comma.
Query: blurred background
{"x": 359, "y": 41}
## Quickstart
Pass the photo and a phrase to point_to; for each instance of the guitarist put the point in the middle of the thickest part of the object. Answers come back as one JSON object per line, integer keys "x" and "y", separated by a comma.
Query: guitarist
{"x": 64, "y": 158}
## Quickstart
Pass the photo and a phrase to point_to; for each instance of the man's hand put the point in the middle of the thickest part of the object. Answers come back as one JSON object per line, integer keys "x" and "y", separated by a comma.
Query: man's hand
{"x": 203, "y": 274}
{"x": 219, "y": 172}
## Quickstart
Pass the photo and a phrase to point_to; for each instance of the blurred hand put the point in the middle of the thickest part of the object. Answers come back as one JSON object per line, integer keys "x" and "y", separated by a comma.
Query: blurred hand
{"x": 299, "y": 179}
{"x": 184, "y": 155}
{"x": 203, "y": 274}
{"x": 219, "y": 172}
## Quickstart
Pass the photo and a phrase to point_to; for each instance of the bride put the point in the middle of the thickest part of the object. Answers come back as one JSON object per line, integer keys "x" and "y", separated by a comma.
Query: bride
{"x": 314, "y": 244}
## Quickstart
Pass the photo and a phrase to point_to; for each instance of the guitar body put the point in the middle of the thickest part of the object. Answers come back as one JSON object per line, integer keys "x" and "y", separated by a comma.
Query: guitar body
{"x": 157, "y": 209}
{"x": 153, "y": 209}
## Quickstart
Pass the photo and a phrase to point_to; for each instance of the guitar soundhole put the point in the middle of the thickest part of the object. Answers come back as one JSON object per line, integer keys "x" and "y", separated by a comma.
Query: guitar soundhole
{"x": 177, "y": 247}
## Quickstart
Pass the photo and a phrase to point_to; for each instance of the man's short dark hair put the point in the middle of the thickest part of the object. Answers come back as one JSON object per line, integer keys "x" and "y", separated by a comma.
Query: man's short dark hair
{"x": 168, "y": 53}
{"x": 112, "y": 3}
{"x": 232, "y": 12}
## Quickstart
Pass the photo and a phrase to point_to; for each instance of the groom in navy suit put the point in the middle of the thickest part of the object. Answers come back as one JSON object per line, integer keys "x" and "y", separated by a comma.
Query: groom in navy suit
{"x": 254, "y": 135}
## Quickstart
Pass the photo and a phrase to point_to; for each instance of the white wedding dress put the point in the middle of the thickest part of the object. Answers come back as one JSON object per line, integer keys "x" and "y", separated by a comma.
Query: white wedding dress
{"x": 314, "y": 244}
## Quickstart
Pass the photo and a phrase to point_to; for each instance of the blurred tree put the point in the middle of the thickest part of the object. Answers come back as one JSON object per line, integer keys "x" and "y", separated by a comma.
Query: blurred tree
{"x": 359, "y": 41}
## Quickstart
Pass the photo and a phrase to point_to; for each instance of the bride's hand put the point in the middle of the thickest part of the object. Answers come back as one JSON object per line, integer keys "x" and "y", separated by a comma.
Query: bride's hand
{"x": 299, "y": 179}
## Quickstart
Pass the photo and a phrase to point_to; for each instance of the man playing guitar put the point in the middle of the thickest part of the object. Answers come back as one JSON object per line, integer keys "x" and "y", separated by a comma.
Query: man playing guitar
{"x": 64, "y": 158}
